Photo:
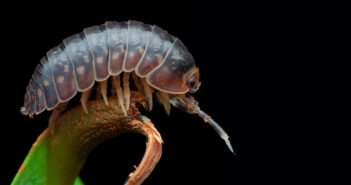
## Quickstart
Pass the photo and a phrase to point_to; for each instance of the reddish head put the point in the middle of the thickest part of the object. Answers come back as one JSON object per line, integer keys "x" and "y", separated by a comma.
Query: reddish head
{"x": 177, "y": 74}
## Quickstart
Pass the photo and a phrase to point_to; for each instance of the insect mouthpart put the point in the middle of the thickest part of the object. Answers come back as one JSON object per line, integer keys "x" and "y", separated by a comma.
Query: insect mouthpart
{"x": 190, "y": 105}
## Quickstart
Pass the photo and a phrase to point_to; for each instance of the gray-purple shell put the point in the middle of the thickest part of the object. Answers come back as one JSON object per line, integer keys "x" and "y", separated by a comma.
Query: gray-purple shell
{"x": 103, "y": 51}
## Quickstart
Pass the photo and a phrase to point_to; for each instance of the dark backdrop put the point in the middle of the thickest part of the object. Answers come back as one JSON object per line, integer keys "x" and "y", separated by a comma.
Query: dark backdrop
{"x": 266, "y": 78}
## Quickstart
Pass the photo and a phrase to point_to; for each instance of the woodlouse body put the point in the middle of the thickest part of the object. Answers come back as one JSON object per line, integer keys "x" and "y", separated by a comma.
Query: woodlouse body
{"x": 153, "y": 57}
{"x": 108, "y": 50}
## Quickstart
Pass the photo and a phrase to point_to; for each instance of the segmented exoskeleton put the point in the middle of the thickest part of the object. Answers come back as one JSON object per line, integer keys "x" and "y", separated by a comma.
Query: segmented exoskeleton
{"x": 158, "y": 62}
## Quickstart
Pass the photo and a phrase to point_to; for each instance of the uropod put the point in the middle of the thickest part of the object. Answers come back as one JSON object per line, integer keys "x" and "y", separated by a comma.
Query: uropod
{"x": 158, "y": 63}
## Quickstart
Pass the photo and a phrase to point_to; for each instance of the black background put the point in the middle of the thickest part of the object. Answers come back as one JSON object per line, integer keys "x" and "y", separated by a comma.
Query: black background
{"x": 269, "y": 77}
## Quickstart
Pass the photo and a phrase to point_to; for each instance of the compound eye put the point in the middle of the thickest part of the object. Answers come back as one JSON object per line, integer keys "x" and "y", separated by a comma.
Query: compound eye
{"x": 192, "y": 81}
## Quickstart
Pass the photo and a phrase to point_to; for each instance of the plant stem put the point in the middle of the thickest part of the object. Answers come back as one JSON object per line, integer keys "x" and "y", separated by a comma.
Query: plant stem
{"x": 74, "y": 134}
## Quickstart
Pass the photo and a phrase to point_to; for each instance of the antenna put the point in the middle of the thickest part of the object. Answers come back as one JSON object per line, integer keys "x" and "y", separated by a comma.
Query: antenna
{"x": 215, "y": 126}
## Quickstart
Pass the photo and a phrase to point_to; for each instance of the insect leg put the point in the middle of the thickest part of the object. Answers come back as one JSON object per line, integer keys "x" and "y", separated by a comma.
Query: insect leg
{"x": 148, "y": 92}
{"x": 126, "y": 89}
{"x": 163, "y": 98}
{"x": 139, "y": 86}
{"x": 144, "y": 88}
{"x": 117, "y": 84}
{"x": 103, "y": 91}
{"x": 138, "y": 83}
{"x": 84, "y": 99}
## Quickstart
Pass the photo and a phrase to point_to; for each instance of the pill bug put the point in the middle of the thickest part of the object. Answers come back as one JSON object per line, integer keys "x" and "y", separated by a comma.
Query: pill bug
{"x": 158, "y": 62}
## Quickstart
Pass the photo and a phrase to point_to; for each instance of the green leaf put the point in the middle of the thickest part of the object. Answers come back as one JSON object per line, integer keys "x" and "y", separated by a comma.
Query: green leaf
{"x": 78, "y": 181}
{"x": 34, "y": 169}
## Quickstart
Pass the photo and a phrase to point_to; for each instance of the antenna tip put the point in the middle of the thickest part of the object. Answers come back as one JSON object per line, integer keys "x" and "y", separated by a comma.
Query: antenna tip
{"x": 227, "y": 142}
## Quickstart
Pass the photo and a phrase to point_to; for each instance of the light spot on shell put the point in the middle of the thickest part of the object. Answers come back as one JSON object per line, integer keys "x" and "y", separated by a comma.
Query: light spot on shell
{"x": 60, "y": 79}
{"x": 80, "y": 70}
{"x": 157, "y": 44}
{"x": 65, "y": 68}
{"x": 115, "y": 56}
{"x": 131, "y": 54}
{"x": 46, "y": 83}
{"x": 86, "y": 59}
{"x": 122, "y": 48}
{"x": 177, "y": 56}
{"x": 99, "y": 60}
{"x": 94, "y": 40}
{"x": 105, "y": 50}
{"x": 140, "y": 49}
{"x": 159, "y": 57}
{"x": 39, "y": 92}
{"x": 148, "y": 58}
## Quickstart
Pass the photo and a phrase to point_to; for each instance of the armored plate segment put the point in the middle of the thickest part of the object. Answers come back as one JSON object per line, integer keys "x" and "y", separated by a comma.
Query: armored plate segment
{"x": 117, "y": 41}
{"x": 43, "y": 75}
{"x": 26, "y": 103}
{"x": 43, "y": 68}
{"x": 170, "y": 75}
{"x": 159, "y": 43}
{"x": 39, "y": 97}
{"x": 138, "y": 37}
{"x": 31, "y": 108}
{"x": 97, "y": 42}
{"x": 78, "y": 52}
{"x": 48, "y": 87}
{"x": 62, "y": 71}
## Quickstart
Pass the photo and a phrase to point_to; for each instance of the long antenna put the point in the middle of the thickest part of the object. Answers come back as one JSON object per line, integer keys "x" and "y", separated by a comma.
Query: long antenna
{"x": 190, "y": 105}
{"x": 215, "y": 126}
